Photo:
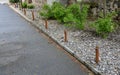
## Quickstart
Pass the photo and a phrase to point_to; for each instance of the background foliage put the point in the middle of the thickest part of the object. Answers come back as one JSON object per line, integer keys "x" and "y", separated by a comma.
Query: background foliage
{"x": 14, "y": 1}
{"x": 75, "y": 16}
{"x": 104, "y": 26}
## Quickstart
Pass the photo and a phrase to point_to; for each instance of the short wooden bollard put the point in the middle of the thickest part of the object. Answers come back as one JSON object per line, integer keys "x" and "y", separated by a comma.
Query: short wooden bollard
{"x": 97, "y": 55}
{"x": 46, "y": 24}
{"x": 15, "y": 5}
{"x": 24, "y": 11}
{"x": 65, "y": 36}
{"x": 33, "y": 17}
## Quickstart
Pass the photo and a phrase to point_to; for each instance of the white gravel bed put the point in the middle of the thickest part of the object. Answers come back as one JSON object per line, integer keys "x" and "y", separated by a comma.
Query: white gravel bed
{"x": 84, "y": 43}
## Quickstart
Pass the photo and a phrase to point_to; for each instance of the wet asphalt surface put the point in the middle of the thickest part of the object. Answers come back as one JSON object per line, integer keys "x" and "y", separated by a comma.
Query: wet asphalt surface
{"x": 24, "y": 51}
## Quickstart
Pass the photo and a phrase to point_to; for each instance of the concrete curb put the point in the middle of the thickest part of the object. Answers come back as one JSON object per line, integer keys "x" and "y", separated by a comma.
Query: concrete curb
{"x": 64, "y": 47}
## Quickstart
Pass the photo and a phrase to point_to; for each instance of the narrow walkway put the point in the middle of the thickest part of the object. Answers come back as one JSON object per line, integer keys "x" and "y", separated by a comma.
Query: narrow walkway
{"x": 24, "y": 51}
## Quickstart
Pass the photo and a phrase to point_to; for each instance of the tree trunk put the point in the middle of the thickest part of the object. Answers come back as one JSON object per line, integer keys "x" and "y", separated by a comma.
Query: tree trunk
{"x": 104, "y": 8}
{"x": 69, "y": 2}
{"x": 29, "y": 1}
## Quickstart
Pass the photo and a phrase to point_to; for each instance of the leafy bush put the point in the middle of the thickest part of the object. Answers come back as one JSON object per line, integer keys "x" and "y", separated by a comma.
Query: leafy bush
{"x": 46, "y": 12}
{"x": 76, "y": 16}
{"x": 14, "y": 1}
{"x": 24, "y": 5}
{"x": 74, "y": 9}
{"x": 30, "y": 6}
{"x": 58, "y": 11}
{"x": 69, "y": 20}
{"x": 104, "y": 26}
{"x": 83, "y": 15}
{"x": 71, "y": 16}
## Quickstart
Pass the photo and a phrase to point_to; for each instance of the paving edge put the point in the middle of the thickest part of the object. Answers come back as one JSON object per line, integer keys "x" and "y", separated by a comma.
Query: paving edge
{"x": 74, "y": 54}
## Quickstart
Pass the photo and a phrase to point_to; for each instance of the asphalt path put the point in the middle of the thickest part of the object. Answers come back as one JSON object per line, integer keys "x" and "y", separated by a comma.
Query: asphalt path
{"x": 25, "y": 51}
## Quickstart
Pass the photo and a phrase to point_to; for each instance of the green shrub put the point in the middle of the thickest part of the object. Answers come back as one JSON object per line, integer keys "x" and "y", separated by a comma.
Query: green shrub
{"x": 70, "y": 19}
{"x": 75, "y": 16}
{"x": 46, "y": 12}
{"x": 24, "y": 5}
{"x": 83, "y": 15}
{"x": 71, "y": 16}
{"x": 74, "y": 9}
{"x": 14, "y": 1}
{"x": 30, "y": 6}
{"x": 58, "y": 11}
{"x": 104, "y": 26}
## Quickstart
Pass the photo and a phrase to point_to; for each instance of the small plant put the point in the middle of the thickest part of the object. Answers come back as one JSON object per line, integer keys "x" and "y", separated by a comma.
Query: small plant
{"x": 30, "y": 6}
{"x": 75, "y": 16}
{"x": 104, "y": 26}
{"x": 46, "y": 12}
{"x": 58, "y": 10}
{"x": 83, "y": 15}
{"x": 24, "y": 5}
{"x": 69, "y": 19}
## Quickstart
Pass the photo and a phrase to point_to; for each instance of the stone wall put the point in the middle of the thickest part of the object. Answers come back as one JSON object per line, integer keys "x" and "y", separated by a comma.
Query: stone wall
{"x": 38, "y": 3}
{"x": 64, "y": 2}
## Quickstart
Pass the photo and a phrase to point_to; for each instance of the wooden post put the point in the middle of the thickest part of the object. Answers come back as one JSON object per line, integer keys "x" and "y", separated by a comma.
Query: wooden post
{"x": 21, "y": 4}
{"x": 46, "y": 24}
{"x": 104, "y": 8}
{"x": 33, "y": 17}
{"x": 24, "y": 11}
{"x": 65, "y": 36}
{"x": 97, "y": 54}
{"x": 15, "y": 5}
